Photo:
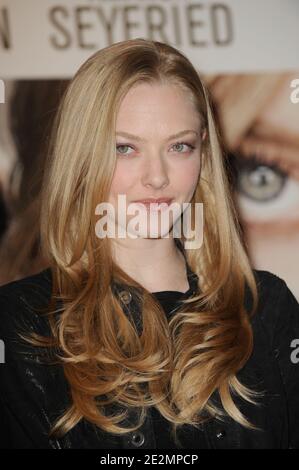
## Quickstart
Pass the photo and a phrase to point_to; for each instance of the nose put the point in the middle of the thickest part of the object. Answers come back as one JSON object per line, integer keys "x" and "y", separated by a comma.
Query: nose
{"x": 155, "y": 172}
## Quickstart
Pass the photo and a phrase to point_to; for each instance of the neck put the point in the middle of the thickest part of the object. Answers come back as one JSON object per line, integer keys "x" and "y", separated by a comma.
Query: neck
{"x": 157, "y": 264}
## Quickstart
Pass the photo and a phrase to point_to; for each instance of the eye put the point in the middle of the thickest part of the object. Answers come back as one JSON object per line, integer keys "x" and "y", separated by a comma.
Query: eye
{"x": 264, "y": 191}
{"x": 122, "y": 146}
{"x": 180, "y": 144}
{"x": 257, "y": 180}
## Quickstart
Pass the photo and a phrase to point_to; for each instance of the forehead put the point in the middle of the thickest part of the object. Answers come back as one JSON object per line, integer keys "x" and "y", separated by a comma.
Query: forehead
{"x": 158, "y": 102}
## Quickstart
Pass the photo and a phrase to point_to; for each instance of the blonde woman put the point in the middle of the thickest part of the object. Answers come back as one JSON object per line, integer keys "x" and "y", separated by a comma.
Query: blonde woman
{"x": 127, "y": 342}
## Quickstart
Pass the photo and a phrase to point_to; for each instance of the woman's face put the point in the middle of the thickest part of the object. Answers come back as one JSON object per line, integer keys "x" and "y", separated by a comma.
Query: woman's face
{"x": 150, "y": 161}
{"x": 268, "y": 195}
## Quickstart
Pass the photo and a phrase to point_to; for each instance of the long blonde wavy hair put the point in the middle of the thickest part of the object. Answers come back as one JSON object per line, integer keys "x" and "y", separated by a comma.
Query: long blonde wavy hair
{"x": 174, "y": 365}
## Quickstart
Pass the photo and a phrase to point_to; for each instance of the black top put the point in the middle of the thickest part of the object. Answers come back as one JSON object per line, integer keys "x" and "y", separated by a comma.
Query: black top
{"x": 17, "y": 435}
{"x": 170, "y": 301}
{"x": 33, "y": 395}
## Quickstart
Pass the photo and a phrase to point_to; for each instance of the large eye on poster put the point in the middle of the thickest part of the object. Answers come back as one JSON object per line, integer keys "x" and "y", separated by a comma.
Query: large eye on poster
{"x": 259, "y": 120}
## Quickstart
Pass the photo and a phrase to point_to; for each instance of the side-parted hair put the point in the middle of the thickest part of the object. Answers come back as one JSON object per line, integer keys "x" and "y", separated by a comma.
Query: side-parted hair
{"x": 175, "y": 365}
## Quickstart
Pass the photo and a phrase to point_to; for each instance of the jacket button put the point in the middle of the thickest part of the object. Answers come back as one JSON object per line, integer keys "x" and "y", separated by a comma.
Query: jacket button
{"x": 137, "y": 439}
{"x": 125, "y": 296}
{"x": 220, "y": 434}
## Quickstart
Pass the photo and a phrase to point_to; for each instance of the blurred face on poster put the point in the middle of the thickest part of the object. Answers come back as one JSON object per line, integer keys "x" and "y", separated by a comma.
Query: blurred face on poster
{"x": 260, "y": 126}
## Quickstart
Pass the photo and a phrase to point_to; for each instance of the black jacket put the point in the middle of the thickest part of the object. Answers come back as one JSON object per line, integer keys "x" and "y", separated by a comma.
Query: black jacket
{"x": 33, "y": 394}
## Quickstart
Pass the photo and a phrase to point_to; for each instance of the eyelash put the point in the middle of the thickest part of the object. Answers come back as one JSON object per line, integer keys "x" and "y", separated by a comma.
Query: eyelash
{"x": 191, "y": 147}
{"x": 260, "y": 154}
{"x": 262, "y": 159}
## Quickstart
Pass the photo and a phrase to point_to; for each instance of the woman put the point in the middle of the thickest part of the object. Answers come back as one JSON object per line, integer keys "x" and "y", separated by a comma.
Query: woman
{"x": 126, "y": 342}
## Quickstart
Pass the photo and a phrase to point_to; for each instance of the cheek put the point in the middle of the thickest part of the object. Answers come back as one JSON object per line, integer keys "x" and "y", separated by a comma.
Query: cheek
{"x": 187, "y": 178}
{"x": 122, "y": 181}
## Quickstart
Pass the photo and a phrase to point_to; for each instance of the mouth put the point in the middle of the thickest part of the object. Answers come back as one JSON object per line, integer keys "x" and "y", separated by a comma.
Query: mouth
{"x": 155, "y": 204}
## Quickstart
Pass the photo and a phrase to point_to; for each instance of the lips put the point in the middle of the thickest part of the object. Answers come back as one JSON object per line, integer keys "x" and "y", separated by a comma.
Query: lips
{"x": 155, "y": 201}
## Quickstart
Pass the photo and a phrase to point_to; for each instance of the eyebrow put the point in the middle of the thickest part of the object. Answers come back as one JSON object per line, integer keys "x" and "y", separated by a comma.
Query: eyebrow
{"x": 139, "y": 139}
{"x": 275, "y": 134}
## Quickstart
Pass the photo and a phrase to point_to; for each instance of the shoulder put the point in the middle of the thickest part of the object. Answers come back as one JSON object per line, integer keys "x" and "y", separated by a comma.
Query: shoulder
{"x": 278, "y": 309}
{"x": 23, "y": 315}
{"x": 36, "y": 283}
{"x": 21, "y": 302}
{"x": 30, "y": 393}
{"x": 276, "y": 329}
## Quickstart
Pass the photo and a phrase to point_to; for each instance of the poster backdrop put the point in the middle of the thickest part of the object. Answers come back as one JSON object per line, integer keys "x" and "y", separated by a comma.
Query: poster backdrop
{"x": 248, "y": 54}
{"x": 51, "y": 38}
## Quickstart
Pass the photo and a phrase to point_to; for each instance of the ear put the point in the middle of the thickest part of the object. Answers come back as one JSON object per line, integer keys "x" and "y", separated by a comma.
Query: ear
{"x": 203, "y": 134}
